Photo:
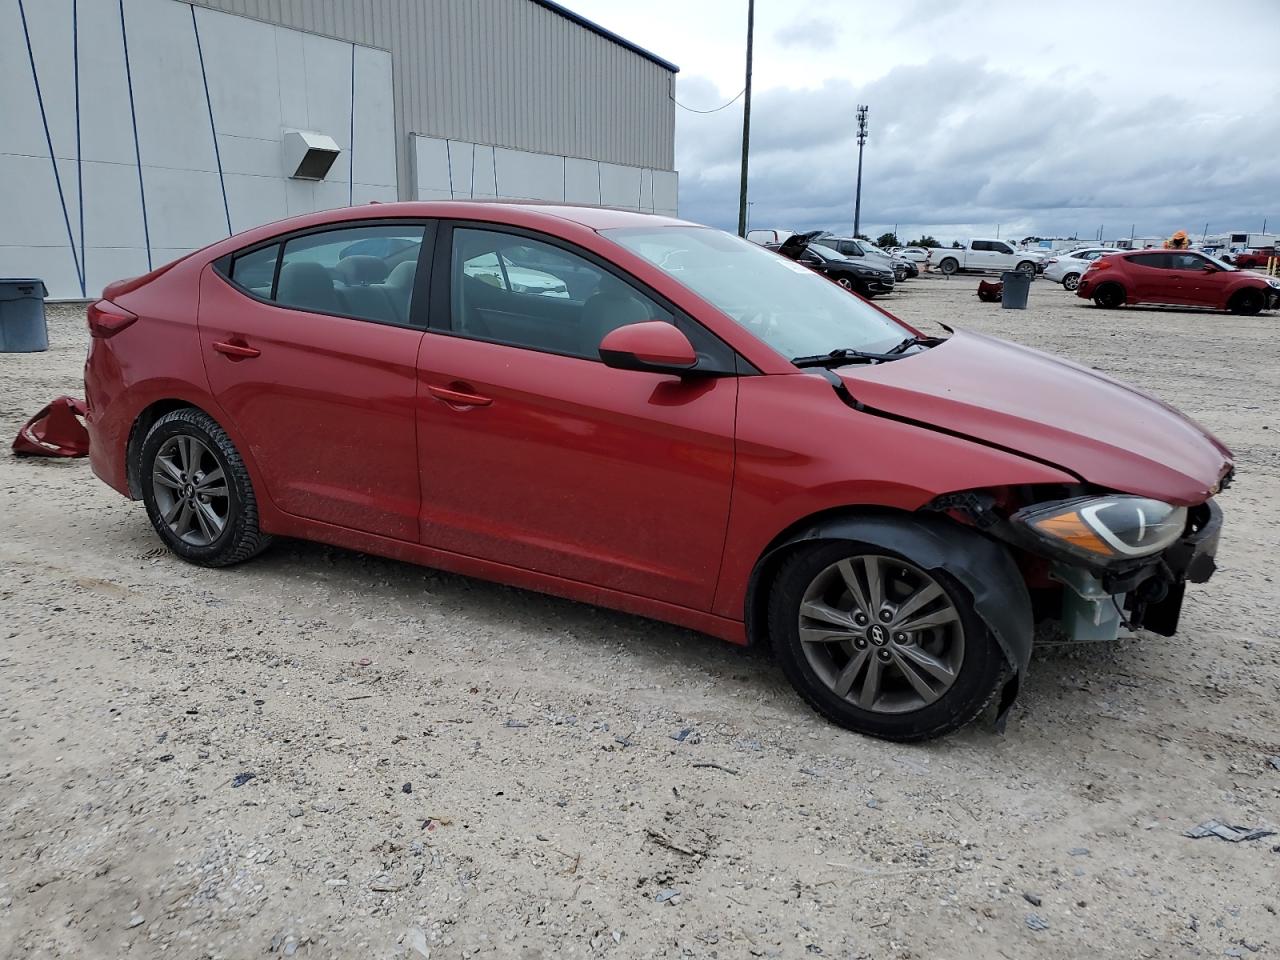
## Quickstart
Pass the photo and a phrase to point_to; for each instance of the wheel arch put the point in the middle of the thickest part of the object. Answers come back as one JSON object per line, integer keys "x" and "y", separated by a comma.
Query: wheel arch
{"x": 983, "y": 566}
{"x": 160, "y": 406}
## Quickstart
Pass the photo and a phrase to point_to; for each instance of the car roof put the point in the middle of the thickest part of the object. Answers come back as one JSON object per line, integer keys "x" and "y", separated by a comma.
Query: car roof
{"x": 554, "y": 218}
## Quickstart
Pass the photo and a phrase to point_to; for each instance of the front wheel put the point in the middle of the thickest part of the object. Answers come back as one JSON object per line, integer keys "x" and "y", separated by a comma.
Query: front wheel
{"x": 1071, "y": 281}
{"x": 197, "y": 491}
{"x": 879, "y": 645}
{"x": 1028, "y": 267}
{"x": 1246, "y": 303}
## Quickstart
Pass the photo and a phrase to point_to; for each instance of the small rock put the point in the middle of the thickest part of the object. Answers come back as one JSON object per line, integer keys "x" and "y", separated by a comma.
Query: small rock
{"x": 687, "y": 735}
{"x": 1032, "y": 898}
{"x": 165, "y": 757}
{"x": 322, "y": 807}
{"x": 416, "y": 939}
{"x": 136, "y": 920}
{"x": 1079, "y": 851}
{"x": 407, "y": 788}
{"x": 515, "y": 724}
{"x": 1274, "y": 761}
{"x": 295, "y": 811}
{"x": 240, "y": 779}
{"x": 667, "y": 895}
{"x": 1037, "y": 922}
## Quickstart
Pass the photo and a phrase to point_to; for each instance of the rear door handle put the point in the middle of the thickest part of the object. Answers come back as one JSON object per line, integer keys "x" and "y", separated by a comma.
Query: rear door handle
{"x": 459, "y": 398}
{"x": 237, "y": 351}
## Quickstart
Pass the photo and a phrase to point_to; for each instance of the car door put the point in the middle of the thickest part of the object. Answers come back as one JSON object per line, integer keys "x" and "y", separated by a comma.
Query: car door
{"x": 1153, "y": 279}
{"x": 1203, "y": 284}
{"x": 310, "y": 347}
{"x": 979, "y": 256}
{"x": 536, "y": 455}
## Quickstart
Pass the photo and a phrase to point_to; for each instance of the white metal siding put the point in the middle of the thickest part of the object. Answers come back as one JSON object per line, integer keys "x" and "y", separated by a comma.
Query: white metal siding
{"x": 506, "y": 72}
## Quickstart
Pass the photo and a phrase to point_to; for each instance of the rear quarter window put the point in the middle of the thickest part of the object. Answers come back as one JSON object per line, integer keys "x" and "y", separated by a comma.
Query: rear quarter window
{"x": 256, "y": 271}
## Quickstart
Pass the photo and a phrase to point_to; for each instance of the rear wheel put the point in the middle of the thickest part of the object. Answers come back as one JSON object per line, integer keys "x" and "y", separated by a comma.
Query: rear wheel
{"x": 879, "y": 645}
{"x": 1071, "y": 281}
{"x": 949, "y": 265}
{"x": 1109, "y": 295}
{"x": 1248, "y": 302}
{"x": 197, "y": 491}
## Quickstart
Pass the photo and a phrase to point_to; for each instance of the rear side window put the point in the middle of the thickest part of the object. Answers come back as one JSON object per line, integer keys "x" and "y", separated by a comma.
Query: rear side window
{"x": 365, "y": 272}
{"x": 1157, "y": 260}
{"x": 256, "y": 271}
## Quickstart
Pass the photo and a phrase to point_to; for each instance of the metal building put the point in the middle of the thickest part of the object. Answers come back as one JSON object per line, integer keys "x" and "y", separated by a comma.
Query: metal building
{"x": 137, "y": 130}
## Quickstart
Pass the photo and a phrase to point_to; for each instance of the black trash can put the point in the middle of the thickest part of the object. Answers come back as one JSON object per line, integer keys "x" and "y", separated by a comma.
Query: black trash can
{"x": 1017, "y": 286}
{"x": 22, "y": 323}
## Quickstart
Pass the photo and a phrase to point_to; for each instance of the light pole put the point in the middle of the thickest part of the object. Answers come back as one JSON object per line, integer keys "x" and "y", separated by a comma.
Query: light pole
{"x": 862, "y": 139}
{"x": 750, "y": 204}
{"x": 746, "y": 124}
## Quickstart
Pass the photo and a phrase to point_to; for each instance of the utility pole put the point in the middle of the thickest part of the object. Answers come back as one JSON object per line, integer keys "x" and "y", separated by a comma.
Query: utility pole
{"x": 862, "y": 139}
{"x": 746, "y": 124}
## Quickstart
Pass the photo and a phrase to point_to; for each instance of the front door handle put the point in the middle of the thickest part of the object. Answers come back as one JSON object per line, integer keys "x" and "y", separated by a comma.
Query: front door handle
{"x": 459, "y": 398}
{"x": 237, "y": 351}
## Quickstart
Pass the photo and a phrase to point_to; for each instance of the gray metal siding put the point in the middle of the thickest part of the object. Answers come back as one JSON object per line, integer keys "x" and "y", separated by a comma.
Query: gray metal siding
{"x": 504, "y": 72}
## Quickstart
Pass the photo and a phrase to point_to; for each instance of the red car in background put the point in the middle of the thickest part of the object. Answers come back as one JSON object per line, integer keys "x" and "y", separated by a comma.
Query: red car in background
{"x": 658, "y": 417}
{"x": 1253, "y": 258}
{"x": 1184, "y": 278}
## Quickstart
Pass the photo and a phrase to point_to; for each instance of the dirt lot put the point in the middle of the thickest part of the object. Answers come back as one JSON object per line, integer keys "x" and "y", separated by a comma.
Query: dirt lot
{"x": 444, "y": 766}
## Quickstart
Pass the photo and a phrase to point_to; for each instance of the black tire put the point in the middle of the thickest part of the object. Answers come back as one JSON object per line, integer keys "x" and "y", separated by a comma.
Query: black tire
{"x": 240, "y": 538}
{"x": 1109, "y": 296}
{"x": 949, "y": 265}
{"x": 1248, "y": 302}
{"x": 1071, "y": 281}
{"x": 1028, "y": 267}
{"x": 979, "y": 677}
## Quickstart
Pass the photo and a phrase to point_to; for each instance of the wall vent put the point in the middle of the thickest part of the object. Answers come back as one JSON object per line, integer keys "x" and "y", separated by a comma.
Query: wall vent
{"x": 309, "y": 155}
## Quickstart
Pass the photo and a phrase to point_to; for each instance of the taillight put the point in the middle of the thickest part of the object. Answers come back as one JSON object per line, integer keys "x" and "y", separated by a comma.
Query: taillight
{"x": 1099, "y": 264}
{"x": 106, "y": 319}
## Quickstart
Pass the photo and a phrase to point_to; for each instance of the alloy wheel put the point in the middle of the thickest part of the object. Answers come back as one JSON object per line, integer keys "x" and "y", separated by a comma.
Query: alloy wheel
{"x": 191, "y": 490}
{"x": 1071, "y": 281}
{"x": 881, "y": 633}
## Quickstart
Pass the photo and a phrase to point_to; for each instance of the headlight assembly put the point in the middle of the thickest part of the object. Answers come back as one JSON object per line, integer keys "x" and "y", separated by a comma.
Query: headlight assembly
{"x": 1105, "y": 529}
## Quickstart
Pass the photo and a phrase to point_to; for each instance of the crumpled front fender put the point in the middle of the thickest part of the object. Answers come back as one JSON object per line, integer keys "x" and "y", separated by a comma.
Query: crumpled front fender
{"x": 984, "y": 567}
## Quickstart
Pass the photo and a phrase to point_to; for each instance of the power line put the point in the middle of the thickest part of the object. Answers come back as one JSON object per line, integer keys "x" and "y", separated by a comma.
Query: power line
{"x": 713, "y": 109}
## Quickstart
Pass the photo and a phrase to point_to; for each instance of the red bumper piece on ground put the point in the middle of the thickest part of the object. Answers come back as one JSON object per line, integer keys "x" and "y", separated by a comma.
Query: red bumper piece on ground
{"x": 56, "y": 431}
{"x": 990, "y": 291}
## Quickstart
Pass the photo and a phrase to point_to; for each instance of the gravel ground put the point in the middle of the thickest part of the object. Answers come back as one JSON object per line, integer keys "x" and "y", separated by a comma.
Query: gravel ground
{"x": 439, "y": 766}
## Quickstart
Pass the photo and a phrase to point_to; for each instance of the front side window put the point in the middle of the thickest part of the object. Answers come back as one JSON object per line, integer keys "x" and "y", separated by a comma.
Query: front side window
{"x": 522, "y": 292}
{"x": 366, "y": 272}
{"x": 791, "y": 308}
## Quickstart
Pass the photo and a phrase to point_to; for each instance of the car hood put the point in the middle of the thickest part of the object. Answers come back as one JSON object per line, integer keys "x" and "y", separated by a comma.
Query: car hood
{"x": 999, "y": 393}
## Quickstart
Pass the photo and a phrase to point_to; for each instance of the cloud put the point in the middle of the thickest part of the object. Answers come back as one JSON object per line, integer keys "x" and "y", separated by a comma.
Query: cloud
{"x": 817, "y": 33}
{"x": 958, "y": 146}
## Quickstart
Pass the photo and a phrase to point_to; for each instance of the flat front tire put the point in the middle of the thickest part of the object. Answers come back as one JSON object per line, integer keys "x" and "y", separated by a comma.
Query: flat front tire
{"x": 878, "y": 644}
{"x": 197, "y": 491}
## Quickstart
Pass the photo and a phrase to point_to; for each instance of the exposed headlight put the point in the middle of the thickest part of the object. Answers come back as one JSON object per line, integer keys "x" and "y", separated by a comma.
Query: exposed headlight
{"x": 1274, "y": 283}
{"x": 1103, "y": 529}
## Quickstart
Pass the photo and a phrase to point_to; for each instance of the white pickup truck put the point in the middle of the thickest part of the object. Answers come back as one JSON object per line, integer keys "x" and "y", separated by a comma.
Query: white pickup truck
{"x": 984, "y": 255}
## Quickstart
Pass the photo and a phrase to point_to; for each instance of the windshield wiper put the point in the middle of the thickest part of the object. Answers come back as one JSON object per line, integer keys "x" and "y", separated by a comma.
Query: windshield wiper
{"x": 845, "y": 355}
{"x": 837, "y": 357}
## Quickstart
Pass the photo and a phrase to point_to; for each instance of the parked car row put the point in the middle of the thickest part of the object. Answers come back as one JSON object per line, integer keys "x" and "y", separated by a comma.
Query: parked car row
{"x": 866, "y": 276}
{"x": 1068, "y": 268}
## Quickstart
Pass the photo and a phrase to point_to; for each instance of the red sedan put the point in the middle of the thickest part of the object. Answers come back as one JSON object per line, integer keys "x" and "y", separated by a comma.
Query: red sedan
{"x": 654, "y": 416}
{"x": 1182, "y": 278}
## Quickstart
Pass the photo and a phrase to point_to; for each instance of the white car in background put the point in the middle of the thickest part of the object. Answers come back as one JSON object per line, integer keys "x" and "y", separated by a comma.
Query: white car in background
{"x": 1069, "y": 267}
{"x": 918, "y": 254}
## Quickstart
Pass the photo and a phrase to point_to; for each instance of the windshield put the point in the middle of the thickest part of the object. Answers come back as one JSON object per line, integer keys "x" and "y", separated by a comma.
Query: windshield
{"x": 788, "y": 306}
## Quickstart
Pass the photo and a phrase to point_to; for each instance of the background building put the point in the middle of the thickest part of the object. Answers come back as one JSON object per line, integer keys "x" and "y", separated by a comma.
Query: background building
{"x": 135, "y": 131}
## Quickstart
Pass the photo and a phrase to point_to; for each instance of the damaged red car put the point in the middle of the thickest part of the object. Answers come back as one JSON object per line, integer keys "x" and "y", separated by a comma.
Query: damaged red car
{"x": 654, "y": 416}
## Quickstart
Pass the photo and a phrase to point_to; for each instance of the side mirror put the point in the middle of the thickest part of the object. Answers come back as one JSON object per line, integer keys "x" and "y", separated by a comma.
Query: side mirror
{"x": 655, "y": 346}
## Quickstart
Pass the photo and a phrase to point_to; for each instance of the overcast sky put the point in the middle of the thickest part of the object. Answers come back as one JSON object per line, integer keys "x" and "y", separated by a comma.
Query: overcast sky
{"x": 1044, "y": 117}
